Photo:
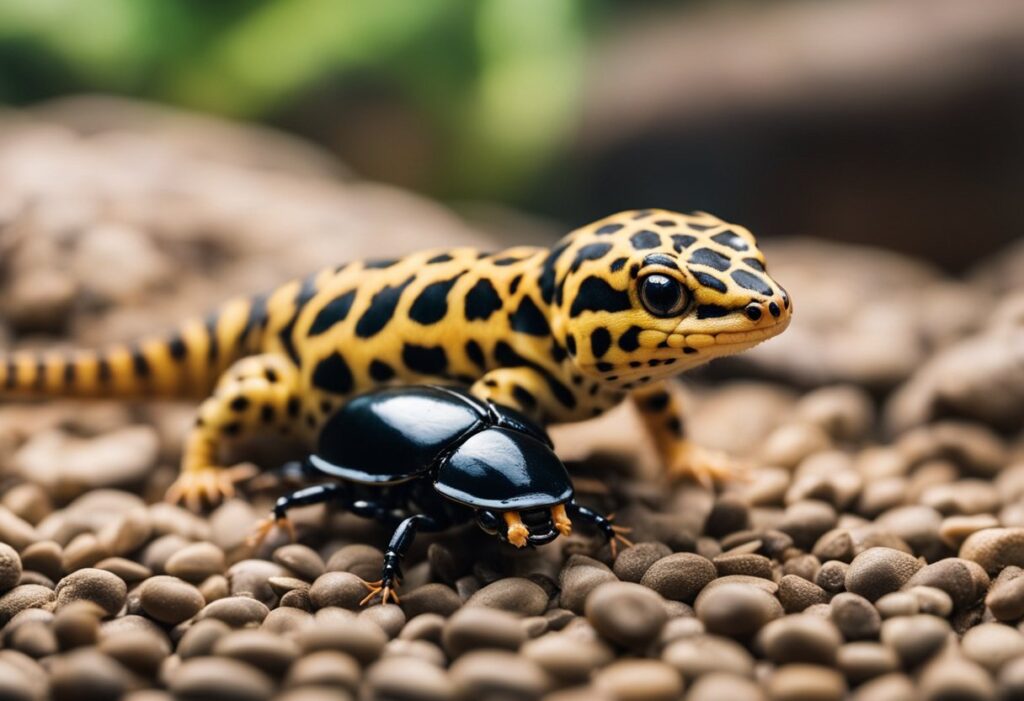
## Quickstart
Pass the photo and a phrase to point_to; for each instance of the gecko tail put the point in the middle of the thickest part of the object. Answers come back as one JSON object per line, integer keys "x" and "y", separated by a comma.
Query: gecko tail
{"x": 183, "y": 364}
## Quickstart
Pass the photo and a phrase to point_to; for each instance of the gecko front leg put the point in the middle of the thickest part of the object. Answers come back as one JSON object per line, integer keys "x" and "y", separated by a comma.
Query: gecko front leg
{"x": 662, "y": 413}
{"x": 256, "y": 394}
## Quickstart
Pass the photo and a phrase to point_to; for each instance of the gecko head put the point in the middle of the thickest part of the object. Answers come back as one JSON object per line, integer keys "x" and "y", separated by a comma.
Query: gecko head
{"x": 646, "y": 294}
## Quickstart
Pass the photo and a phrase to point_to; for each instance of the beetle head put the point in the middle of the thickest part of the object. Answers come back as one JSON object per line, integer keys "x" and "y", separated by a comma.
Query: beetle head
{"x": 521, "y": 528}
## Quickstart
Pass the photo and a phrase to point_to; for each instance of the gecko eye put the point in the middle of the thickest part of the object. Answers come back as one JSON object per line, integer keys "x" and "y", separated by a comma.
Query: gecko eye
{"x": 663, "y": 296}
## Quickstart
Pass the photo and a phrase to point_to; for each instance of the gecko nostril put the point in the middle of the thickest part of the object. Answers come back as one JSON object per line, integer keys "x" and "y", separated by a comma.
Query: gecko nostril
{"x": 753, "y": 311}
{"x": 774, "y": 309}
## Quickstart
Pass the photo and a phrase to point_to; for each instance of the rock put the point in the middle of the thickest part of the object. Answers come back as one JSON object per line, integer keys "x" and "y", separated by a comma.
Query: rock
{"x": 995, "y": 548}
{"x": 514, "y": 594}
{"x": 627, "y": 614}
{"x": 878, "y": 571}
{"x": 169, "y": 599}
{"x": 800, "y": 638}
{"x": 736, "y": 610}
{"x": 679, "y": 577}
{"x": 106, "y": 590}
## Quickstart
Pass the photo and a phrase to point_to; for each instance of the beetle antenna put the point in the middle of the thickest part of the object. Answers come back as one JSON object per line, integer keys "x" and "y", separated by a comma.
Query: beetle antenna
{"x": 517, "y": 532}
{"x": 561, "y": 520}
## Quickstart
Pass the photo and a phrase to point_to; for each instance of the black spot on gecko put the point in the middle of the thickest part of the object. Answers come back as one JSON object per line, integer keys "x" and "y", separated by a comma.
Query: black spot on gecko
{"x": 426, "y": 360}
{"x": 381, "y": 371}
{"x": 600, "y": 341}
{"x": 431, "y": 304}
{"x": 657, "y": 401}
{"x": 140, "y": 366}
{"x": 232, "y": 429}
{"x": 475, "y": 353}
{"x": 710, "y": 281}
{"x": 688, "y": 350}
{"x": 755, "y": 264}
{"x": 645, "y": 239}
{"x": 12, "y": 375}
{"x": 675, "y": 426}
{"x": 714, "y": 259}
{"x": 661, "y": 259}
{"x": 558, "y": 354}
{"x": 267, "y": 414}
{"x": 529, "y": 319}
{"x": 271, "y": 375}
{"x": 305, "y": 293}
{"x": 630, "y": 340}
{"x": 380, "y": 264}
{"x": 730, "y": 239}
{"x": 333, "y": 313}
{"x": 381, "y": 309}
{"x": 546, "y": 280}
{"x": 440, "y": 258}
{"x": 592, "y": 251}
{"x": 523, "y": 396}
{"x": 293, "y": 407}
{"x": 507, "y": 261}
{"x": 239, "y": 404}
{"x": 665, "y": 223}
{"x": 514, "y": 285}
{"x": 507, "y": 357}
{"x": 332, "y": 374}
{"x": 751, "y": 282}
{"x": 608, "y": 229}
{"x": 482, "y": 300}
{"x": 606, "y": 367}
{"x": 618, "y": 264}
{"x": 177, "y": 349}
{"x": 710, "y": 311}
{"x": 681, "y": 241}
{"x": 596, "y": 295}
{"x": 570, "y": 344}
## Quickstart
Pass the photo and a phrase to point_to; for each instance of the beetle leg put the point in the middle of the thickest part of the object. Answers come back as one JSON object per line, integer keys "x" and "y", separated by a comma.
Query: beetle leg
{"x": 561, "y": 520}
{"x": 399, "y": 545}
{"x": 517, "y": 533}
{"x": 613, "y": 534}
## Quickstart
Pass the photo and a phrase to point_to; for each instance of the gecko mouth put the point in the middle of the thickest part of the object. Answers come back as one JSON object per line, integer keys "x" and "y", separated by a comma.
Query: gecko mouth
{"x": 726, "y": 338}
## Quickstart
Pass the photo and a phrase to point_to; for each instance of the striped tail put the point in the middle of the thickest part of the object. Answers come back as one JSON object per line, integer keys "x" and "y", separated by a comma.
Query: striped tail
{"x": 183, "y": 364}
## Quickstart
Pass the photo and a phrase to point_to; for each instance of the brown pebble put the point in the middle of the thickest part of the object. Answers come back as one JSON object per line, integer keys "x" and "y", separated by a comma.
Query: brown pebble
{"x": 718, "y": 686}
{"x": 861, "y": 661}
{"x": 87, "y": 674}
{"x": 10, "y": 568}
{"x": 77, "y": 624}
{"x": 103, "y": 588}
{"x": 361, "y": 560}
{"x": 878, "y": 571}
{"x": 736, "y": 610}
{"x": 285, "y": 619}
{"x": 832, "y": 576}
{"x": 494, "y": 674}
{"x": 513, "y": 594}
{"x": 915, "y": 638}
{"x": 806, "y": 521}
{"x": 898, "y": 603}
{"x": 995, "y": 548}
{"x": 569, "y": 661}
{"x": 389, "y": 617}
{"x": 214, "y": 587}
{"x": 1011, "y": 679}
{"x": 23, "y": 597}
{"x": 965, "y": 581}
{"x": 338, "y": 589}
{"x": 219, "y": 678}
{"x": 303, "y": 561}
{"x": 29, "y": 502}
{"x": 836, "y": 544}
{"x": 195, "y": 562}
{"x": 750, "y": 564}
{"x": 140, "y": 651}
{"x": 250, "y": 577}
{"x": 34, "y": 639}
{"x": 992, "y": 645}
{"x": 952, "y": 677}
{"x": 325, "y": 668}
{"x": 158, "y": 552}
{"x": 264, "y": 651}
{"x": 15, "y": 531}
{"x": 127, "y": 533}
{"x": 362, "y": 639}
{"x": 796, "y": 593}
{"x": 577, "y": 581}
{"x": 236, "y": 611}
{"x": 699, "y": 655}
{"x": 199, "y": 639}
{"x": 634, "y": 561}
{"x": 1006, "y": 598}
{"x": 888, "y": 687}
{"x": 426, "y": 626}
{"x": 419, "y": 649}
{"x": 639, "y": 680}
{"x": 680, "y": 577}
{"x": 679, "y": 628}
{"x": 409, "y": 679}
{"x": 627, "y": 614}
{"x": 169, "y": 599}
{"x": 84, "y": 551}
{"x": 932, "y": 600}
{"x": 855, "y": 616}
{"x": 128, "y": 570}
{"x": 480, "y": 627}
{"x": 803, "y": 682}
{"x": 431, "y": 598}
{"x": 804, "y": 565}
{"x": 44, "y": 556}
{"x": 800, "y": 638}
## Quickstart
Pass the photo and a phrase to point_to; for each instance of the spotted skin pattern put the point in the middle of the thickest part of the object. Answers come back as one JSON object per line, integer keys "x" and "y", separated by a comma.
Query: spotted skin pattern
{"x": 562, "y": 334}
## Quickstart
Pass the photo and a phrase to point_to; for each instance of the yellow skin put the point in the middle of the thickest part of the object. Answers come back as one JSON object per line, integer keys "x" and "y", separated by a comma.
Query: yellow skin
{"x": 561, "y": 334}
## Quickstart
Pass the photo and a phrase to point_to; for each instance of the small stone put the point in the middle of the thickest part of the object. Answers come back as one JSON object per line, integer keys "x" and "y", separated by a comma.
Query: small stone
{"x": 141, "y": 651}
{"x": 361, "y": 560}
{"x": 409, "y": 679}
{"x": 477, "y": 627}
{"x": 106, "y": 590}
{"x": 199, "y": 639}
{"x": 717, "y": 686}
{"x": 803, "y": 682}
{"x": 236, "y": 611}
{"x": 24, "y": 596}
{"x": 358, "y": 637}
{"x": 965, "y": 581}
{"x": 832, "y": 576}
{"x": 736, "y": 610}
{"x": 806, "y": 521}
{"x": 338, "y": 589}
{"x": 861, "y": 661}
{"x": 87, "y": 674}
{"x": 325, "y": 668}
{"x": 796, "y": 593}
{"x": 10, "y": 568}
{"x": 128, "y": 570}
{"x": 389, "y": 617}
{"x": 932, "y": 601}
{"x": 952, "y": 677}
{"x": 258, "y": 648}
{"x": 634, "y": 561}
{"x": 300, "y": 559}
{"x": 514, "y": 594}
{"x": 431, "y": 598}
{"x": 992, "y": 645}
{"x": 45, "y": 557}
{"x": 698, "y": 655}
{"x": 954, "y": 530}
{"x": 219, "y": 678}
{"x": 750, "y": 564}
{"x": 680, "y": 577}
{"x": 878, "y": 571}
{"x": 494, "y": 674}
{"x": 569, "y": 661}
{"x": 251, "y": 577}
{"x": 169, "y": 599}
{"x": 801, "y": 638}
{"x": 578, "y": 581}
{"x": 639, "y": 680}
{"x": 285, "y": 620}
{"x": 995, "y": 548}
{"x": 915, "y": 638}
{"x": 196, "y": 562}
{"x": 888, "y": 687}
{"x": 855, "y": 617}
{"x": 1006, "y": 598}
{"x": 625, "y": 613}
{"x": 898, "y": 603}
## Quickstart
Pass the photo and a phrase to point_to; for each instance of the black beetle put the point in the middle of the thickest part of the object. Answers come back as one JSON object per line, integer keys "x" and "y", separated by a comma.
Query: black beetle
{"x": 428, "y": 458}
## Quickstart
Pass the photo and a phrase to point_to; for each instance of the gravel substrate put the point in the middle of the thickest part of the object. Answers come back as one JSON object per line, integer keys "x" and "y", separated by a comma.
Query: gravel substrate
{"x": 874, "y": 552}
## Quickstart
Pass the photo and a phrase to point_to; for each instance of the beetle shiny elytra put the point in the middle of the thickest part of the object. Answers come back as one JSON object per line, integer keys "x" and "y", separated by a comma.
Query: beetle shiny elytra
{"x": 426, "y": 458}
